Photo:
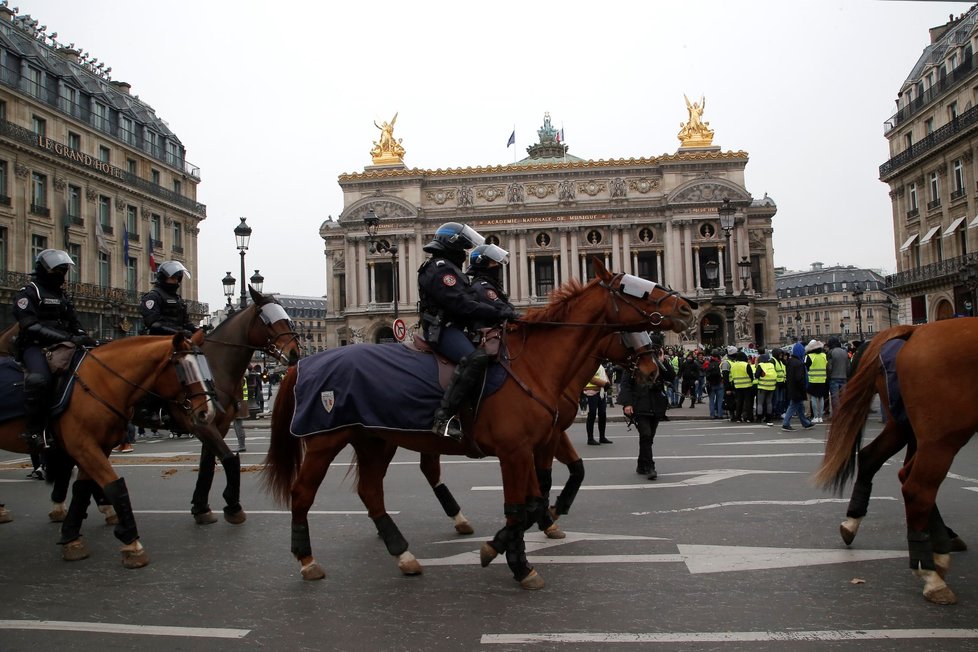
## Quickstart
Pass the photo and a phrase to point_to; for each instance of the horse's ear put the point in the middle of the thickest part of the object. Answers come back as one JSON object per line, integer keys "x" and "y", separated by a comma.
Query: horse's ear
{"x": 198, "y": 337}
{"x": 256, "y": 296}
{"x": 178, "y": 339}
{"x": 599, "y": 269}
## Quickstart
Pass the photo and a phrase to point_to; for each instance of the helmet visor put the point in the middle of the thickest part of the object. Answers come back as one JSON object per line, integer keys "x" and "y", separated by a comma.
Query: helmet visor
{"x": 51, "y": 258}
{"x": 173, "y": 268}
{"x": 471, "y": 235}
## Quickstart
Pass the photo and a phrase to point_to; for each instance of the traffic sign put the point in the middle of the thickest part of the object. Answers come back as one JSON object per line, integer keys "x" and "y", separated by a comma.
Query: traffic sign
{"x": 400, "y": 330}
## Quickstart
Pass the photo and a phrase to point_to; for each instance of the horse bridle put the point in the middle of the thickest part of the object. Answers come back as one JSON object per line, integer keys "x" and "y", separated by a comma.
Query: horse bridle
{"x": 271, "y": 343}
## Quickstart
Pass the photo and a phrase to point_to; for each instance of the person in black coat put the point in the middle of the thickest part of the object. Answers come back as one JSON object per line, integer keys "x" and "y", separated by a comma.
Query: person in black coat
{"x": 644, "y": 400}
{"x": 796, "y": 388}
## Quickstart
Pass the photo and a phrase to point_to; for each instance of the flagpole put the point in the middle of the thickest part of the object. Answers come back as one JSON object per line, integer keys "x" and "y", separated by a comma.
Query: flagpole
{"x": 514, "y": 143}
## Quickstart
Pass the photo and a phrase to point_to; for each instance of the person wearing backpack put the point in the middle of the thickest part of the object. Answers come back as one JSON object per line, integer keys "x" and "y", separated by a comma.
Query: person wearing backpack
{"x": 714, "y": 384}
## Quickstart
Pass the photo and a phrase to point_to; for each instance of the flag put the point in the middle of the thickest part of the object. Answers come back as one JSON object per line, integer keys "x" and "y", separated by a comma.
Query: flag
{"x": 560, "y": 135}
{"x": 512, "y": 139}
{"x": 100, "y": 240}
{"x": 125, "y": 244}
{"x": 152, "y": 260}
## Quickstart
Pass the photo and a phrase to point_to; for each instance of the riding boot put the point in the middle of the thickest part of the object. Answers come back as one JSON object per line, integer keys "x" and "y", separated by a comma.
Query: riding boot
{"x": 35, "y": 409}
{"x": 465, "y": 379}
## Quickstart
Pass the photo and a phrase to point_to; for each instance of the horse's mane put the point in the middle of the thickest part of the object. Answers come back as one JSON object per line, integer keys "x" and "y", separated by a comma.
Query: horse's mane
{"x": 268, "y": 299}
{"x": 557, "y": 307}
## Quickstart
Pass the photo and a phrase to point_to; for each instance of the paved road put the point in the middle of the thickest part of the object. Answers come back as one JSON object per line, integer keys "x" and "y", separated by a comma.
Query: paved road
{"x": 731, "y": 549}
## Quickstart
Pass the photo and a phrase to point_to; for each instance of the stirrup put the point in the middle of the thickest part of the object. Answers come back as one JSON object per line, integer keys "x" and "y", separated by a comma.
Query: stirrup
{"x": 446, "y": 430}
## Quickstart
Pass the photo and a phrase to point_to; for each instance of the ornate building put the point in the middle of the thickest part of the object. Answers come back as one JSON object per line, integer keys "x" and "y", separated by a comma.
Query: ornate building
{"x": 845, "y": 301}
{"x": 89, "y": 168}
{"x": 932, "y": 177}
{"x": 656, "y": 217}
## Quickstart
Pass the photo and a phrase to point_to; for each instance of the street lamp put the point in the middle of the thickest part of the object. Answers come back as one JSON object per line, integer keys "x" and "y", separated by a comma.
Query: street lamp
{"x": 228, "y": 283}
{"x": 257, "y": 281}
{"x": 727, "y": 214}
{"x": 372, "y": 223}
{"x": 242, "y": 235}
{"x": 857, "y": 294}
{"x": 798, "y": 324}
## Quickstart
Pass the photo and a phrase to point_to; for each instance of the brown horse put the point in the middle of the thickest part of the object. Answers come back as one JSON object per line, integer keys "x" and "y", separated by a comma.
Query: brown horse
{"x": 108, "y": 382}
{"x": 549, "y": 352}
{"x": 942, "y": 415}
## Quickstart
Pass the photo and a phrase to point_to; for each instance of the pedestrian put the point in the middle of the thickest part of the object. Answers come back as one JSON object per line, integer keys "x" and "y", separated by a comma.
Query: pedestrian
{"x": 838, "y": 373}
{"x": 714, "y": 384}
{"x": 778, "y": 358}
{"x": 818, "y": 388}
{"x": 37, "y": 462}
{"x": 741, "y": 378}
{"x": 644, "y": 401}
{"x": 690, "y": 373}
{"x": 257, "y": 387}
{"x": 126, "y": 445}
{"x": 241, "y": 409}
{"x": 795, "y": 388}
{"x": 596, "y": 407}
{"x": 767, "y": 380}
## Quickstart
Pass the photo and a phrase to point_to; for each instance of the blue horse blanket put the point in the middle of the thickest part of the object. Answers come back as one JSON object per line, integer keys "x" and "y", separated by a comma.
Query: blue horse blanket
{"x": 888, "y": 356}
{"x": 375, "y": 385}
{"x": 12, "y": 388}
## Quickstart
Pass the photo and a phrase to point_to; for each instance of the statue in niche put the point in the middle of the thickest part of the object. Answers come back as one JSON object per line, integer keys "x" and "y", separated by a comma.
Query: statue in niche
{"x": 515, "y": 192}
{"x": 618, "y": 190}
{"x": 543, "y": 240}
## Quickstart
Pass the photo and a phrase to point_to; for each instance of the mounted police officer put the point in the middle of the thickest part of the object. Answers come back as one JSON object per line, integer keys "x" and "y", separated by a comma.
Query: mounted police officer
{"x": 485, "y": 268}
{"x": 46, "y": 316}
{"x": 449, "y": 305}
{"x": 164, "y": 310}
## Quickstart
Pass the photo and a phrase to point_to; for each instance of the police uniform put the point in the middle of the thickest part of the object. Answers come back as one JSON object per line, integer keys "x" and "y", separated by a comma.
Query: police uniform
{"x": 164, "y": 310}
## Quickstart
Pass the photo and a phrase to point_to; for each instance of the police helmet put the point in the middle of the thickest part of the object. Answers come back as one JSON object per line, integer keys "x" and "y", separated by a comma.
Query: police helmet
{"x": 454, "y": 237}
{"x": 171, "y": 268}
{"x": 51, "y": 260}
{"x": 482, "y": 257}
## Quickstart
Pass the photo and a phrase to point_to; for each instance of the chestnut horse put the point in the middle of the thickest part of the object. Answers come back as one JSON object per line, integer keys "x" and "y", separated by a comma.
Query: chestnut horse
{"x": 549, "y": 352}
{"x": 943, "y": 416}
{"x": 108, "y": 382}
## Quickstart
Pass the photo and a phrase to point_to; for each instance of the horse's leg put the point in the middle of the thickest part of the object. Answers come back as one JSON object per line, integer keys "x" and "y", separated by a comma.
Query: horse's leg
{"x": 431, "y": 468}
{"x": 373, "y": 458}
{"x": 59, "y": 467}
{"x": 519, "y": 481}
{"x": 567, "y": 455}
{"x": 869, "y": 461}
{"x": 233, "y": 512}
{"x": 72, "y": 546}
{"x": 200, "y": 508}
{"x": 921, "y": 479}
{"x": 5, "y": 516}
{"x": 320, "y": 452}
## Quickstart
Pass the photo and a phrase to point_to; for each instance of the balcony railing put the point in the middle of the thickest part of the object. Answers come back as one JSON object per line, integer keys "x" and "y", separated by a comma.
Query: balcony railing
{"x": 951, "y": 130}
{"x": 943, "y": 85}
{"x": 936, "y": 203}
{"x": 43, "y": 211}
{"x": 957, "y": 194}
{"x": 912, "y": 213}
{"x": 945, "y": 270}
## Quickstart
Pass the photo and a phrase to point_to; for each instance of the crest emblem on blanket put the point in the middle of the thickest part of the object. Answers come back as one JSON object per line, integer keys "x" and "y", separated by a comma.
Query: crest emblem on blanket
{"x": 328, "y": 399}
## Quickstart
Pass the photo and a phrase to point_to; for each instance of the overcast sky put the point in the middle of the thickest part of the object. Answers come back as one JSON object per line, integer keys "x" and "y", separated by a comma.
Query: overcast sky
{"x": 274, "y": 100}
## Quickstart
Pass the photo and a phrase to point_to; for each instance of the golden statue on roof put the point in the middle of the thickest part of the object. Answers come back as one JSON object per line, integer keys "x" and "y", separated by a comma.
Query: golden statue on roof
{"x": 387, "y": 151}
{"x": 696, "y": 132}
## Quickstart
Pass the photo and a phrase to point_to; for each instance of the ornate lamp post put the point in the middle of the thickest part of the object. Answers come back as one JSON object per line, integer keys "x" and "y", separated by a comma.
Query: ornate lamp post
{"x": 728, "y": 300}
{"x": 257, "y": 281}
{"x": 372, "y": 222}
{"x": 798, "y": 324}
{"x": 228, "y": 283}
{"x": 242, "y": 235}
{"x": 857, "y": 294}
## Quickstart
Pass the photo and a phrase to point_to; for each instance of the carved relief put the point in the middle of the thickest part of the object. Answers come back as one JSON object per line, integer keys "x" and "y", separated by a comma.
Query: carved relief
{"x": 21, "y": 170}
{"x": 191, "y": 230}
{"x": 756, "y": 239}
{"x": 541, "y": 190}
{"x": 543, "y": 240}
{"x": 120, "y": 204}
{"x": 60, "y": 183}
{"x": 618, "y": 189}
{"x": 489, "y": 193}
{"x": 440, "y": 196}
{"x": 339, "y": 261}
{"x": 706, "y": 192}
{"x": 643, "y": 185}
{"x": 594, "y": 237}
{"x": 707, "y": 230}
{"x": 90, "y": 194}
{"x": 515, "y": 193}
{"x": 566, "y": 191}
{"x": 591, "y": 188}
{"x": 167, "y": 221}
{"x": 646, "y": 235}
{"x": 464, "y": 196}
{"x": 381, "y": 209}
{"x": 742, "y": 324}
{"x": 968, "y": 155}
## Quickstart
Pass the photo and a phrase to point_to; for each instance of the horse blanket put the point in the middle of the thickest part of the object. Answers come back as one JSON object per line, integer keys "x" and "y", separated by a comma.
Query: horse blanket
{"x": 375, "y": 385}
{"x": 888, "y": 355}
{"x": 12, "y": 388}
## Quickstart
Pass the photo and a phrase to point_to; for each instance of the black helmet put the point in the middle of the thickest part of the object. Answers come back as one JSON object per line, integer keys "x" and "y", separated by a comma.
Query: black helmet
{"x": 171, "y": 268}
{"x": 453, "y": 236}
{"x": 482, "y": 257}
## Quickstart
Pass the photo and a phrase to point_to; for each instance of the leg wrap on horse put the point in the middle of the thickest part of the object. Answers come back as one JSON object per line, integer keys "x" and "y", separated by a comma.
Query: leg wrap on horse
{"x": 118, "y": 495}
{"x": 859, "y": 503}
{"x": 232, "y": 475}
{"x": 545, "y": 478}
{"x": 571, "y": 487}
{"x": 447, "y": 500}
{"x": 536, "y": 507}
{"x": 921, "y": 551}
{"x": 940, "y": 540}
{"x": 393, "y": 539}
{"x": 501, "y": 541}
{"x": 81, "y": 496}
{"x": 58, "y": 466}
{"x": 205, "y": 479}
{"x": 516, "y": 547}
{"x": 301, "y": 546}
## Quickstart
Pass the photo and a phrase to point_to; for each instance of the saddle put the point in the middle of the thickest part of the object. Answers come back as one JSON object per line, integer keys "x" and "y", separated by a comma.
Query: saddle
{"x": 490, "y": 339}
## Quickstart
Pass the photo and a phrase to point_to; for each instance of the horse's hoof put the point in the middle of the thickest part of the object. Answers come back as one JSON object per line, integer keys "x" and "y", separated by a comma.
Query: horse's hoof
{"x": 236, "y": 518}
{"x": 942, "y": 595}
{"x": 111, "y": 518}
{"x": 313, "y": 571}
{"x": 464, "y": 528}
{"x": 486, "y": 554}
{"x": 848, "y": 535}
{"x": 205, "y": 518}
{"x": 5, "y": 516}
{"x": 134, "y": 555}
{"x": 58, "y": 514}
{"x": 554, "y": 532}
{"x": 408, "y": 564}
{"x": 532, "y": 582}
{"x": 74, "y": 551}
{"x": 958, "y": 545}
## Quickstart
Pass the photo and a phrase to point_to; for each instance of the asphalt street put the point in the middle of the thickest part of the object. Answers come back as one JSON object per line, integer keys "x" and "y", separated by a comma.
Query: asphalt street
{"x": 731, "y": 548}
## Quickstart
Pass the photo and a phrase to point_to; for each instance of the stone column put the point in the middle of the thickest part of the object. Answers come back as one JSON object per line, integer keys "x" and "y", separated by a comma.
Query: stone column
{"x": 575, "y": 257}
{"x": 350, "y": 263}
{"x": 697, "y": 281}
{"x": 616, "y": 249}
{"x": 330, "y": 285}
{"x": 688, "y": 283}
{"x": 533, "y": 277}
{"x": 626, "y": 251}
{"x": 372, "y": 282}
{"x": 362, "y": 271}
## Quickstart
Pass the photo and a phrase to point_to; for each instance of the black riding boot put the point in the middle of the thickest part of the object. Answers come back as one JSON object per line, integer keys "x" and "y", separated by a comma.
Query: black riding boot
{"x": 465, "y": 379}
{"x": 35, "y": 409}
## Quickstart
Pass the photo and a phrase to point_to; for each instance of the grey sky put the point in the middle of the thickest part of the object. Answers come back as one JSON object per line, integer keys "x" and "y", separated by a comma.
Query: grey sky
{"x": 274, "y": 100}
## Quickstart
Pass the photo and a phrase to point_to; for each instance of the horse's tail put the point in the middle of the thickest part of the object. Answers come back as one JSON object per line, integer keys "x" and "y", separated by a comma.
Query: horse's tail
{"x": 845, "y": 432}
{"x": 285, "y": 452}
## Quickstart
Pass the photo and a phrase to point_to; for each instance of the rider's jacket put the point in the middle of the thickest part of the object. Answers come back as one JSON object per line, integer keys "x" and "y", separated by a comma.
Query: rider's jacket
{"x": 448, "y": 298}
{"x": 489, "y": 293}
{"x": 164, "y": 311}
{"x": 45, "y": 315}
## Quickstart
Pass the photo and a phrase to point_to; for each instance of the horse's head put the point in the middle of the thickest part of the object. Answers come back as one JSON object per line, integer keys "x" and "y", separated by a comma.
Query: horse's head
{"x": 631, "y": 351}
{"x": 638, "y": 304}
{"x": 272, "y": 331}
{"x": 195, "y": 377}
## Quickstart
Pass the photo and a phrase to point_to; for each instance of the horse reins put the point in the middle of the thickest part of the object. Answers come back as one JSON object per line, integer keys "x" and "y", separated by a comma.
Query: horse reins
{"x": 271, "y": 346}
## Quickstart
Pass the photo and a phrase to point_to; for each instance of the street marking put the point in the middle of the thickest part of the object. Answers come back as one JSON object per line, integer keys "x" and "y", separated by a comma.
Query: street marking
{"x": 281, "y": 512}
{"x": 729, "y": 637}
{"x": 963, "y": 478}
{"x": 699, "y": 478}
{"x": 970, "y": 488}
{"x": 744, "y": 503}
{"x": 119, "y": 628}
{"x": 768, "y": 442}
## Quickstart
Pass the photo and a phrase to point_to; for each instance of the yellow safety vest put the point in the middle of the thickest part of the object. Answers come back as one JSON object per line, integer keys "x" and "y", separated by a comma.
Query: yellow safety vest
{"x": 816, "y": 373}
{"x": 244, "y": 389}
{"x": 738, "y": 374}
{"x": 770, "y": 379}
{"x": 779, "y": 366}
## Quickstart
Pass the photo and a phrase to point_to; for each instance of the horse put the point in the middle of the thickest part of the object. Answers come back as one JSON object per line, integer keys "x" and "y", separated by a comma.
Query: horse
{"x": 620, "y": 348}
{"x": 943, "y": 417}
{"x": 871, "y": 458}
{"x": 108, "y": 381}
{"x": 549, "y": 352}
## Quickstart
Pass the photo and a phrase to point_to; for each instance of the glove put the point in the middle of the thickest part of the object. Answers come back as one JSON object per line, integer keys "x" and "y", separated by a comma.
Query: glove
{"x": 509, "y": 314}
{"x": 83, "y": 340}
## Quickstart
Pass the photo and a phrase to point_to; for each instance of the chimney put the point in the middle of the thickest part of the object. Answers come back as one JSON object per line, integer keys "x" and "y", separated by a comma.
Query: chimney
{"x": 70, "y": 54}
{"x": 6, "y": 13}
{"x": 122, "y": 87}
{"x": 816, "y": 267}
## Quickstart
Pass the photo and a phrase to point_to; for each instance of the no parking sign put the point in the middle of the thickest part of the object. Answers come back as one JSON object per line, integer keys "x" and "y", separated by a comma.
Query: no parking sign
{"x": 400, "y": 330}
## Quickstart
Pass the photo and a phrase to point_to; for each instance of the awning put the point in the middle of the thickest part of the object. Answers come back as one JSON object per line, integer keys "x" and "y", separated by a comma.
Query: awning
{"x": 906, "y": 245}
{"x": 973, "y": 223}
{"x": 949, "y": 231}
{"x": 930, "y": 235}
